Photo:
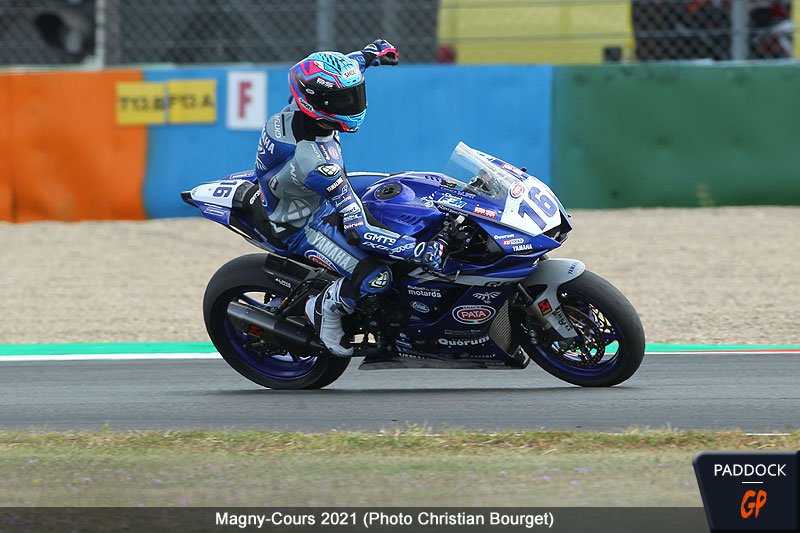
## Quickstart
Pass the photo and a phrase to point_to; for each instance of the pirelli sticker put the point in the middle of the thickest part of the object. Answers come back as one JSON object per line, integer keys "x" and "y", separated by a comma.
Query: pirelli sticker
{"x": 171, "y": 102}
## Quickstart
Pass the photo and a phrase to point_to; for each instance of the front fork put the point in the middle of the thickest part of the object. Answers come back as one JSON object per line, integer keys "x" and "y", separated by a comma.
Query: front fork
{"x": 546, "y": 307}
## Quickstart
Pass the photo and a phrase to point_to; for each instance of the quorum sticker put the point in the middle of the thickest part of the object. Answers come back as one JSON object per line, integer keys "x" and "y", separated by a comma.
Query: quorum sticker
{"x": 750, "y": 491}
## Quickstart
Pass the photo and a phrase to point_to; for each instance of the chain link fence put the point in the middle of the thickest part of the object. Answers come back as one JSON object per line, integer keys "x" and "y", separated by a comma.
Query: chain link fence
{"x": 118, "y": 32}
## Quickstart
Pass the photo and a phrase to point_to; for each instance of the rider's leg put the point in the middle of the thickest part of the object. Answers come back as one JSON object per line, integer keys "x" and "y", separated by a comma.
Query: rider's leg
{"x": 325, "y": 310}
{"x": 325, "y": 244}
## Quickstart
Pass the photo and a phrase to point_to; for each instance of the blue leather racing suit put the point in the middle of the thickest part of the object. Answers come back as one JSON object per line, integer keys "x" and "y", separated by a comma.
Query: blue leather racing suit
{"x": 310, "y": 205}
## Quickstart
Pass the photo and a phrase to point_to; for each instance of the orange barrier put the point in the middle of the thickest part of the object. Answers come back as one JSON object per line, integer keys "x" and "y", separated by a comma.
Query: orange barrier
{"x": 6, "y": 205}
{"x": 69, "y": 158}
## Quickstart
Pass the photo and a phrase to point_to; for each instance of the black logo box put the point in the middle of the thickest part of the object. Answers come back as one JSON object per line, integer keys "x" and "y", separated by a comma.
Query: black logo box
{"x": 749, "y": 491}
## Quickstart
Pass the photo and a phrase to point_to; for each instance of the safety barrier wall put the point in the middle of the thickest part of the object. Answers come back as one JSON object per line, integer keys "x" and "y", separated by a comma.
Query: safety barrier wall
{"x": 676, "y": 135}
{"x": 122, "y": 144}
{"x": 63, "y": 155}
{"x": 6, "y": 187}
{"x": 416, "y": 116}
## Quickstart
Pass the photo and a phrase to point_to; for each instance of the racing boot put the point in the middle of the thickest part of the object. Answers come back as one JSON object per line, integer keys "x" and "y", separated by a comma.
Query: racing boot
{"x": 325, "y": 312}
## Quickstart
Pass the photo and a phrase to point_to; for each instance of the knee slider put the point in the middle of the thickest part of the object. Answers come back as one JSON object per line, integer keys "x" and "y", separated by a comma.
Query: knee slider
{"x": 377, "y": 281}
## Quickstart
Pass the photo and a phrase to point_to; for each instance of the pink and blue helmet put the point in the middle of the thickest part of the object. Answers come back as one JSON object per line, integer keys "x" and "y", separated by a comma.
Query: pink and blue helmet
{"x": 329, "y": 86}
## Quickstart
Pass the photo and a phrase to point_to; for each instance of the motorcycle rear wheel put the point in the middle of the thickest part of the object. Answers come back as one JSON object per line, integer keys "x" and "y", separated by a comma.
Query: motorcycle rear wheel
{"x": 240, "y": 280}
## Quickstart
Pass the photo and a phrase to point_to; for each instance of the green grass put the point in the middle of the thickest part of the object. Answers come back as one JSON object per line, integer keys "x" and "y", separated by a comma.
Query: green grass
{"x": 412, "y": 467}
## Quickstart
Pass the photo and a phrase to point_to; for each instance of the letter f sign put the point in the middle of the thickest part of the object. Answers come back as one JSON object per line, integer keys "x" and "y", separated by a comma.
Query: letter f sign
{"x": 244, "y": 96}
{"x": 246, "y": 107}
{"x": 749, "y": 506}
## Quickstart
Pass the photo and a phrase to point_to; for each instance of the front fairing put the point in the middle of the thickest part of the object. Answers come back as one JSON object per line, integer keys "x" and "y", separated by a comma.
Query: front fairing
{"x": 497, "y": 192}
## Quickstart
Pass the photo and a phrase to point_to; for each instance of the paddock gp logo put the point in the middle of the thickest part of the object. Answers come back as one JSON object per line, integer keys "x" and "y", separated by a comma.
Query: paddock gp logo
{"x": 473, "y": 314}
{"x": 749, "y": 491}
{"x": 752, "y": 502}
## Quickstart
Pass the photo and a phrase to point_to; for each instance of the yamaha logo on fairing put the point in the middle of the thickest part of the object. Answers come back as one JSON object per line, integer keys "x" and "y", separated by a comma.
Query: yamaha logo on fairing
{"x": 572, "y": 267}
{"x": 473, "y": 314}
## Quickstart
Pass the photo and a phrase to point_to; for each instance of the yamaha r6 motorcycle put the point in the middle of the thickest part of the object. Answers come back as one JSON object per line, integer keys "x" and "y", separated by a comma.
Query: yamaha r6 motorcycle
{"x": 498, "y": 303}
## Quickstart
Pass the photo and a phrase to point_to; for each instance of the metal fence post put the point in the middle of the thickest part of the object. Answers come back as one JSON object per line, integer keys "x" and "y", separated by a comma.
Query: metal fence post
{"x": 325, "y": 25}
{"x": 100, "y": 34}
{"x": 739, "y": 29}
{"x": 390, "y": 20}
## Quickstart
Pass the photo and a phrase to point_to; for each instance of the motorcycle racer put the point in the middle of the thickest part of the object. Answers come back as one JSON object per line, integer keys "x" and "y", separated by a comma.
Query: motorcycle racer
{"x": 308, "y": 201}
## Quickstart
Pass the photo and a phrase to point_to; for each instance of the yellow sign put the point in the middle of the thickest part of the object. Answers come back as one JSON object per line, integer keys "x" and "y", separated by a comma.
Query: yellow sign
{"x": 140, "y": 103}
{"x": 174, "y": 102}
{"x": 192, "y": 101}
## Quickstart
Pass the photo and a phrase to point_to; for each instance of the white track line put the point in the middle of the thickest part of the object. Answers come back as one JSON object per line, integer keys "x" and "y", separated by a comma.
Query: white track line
{"x": 206, "y": 355}
{"x": 108, "y": 357}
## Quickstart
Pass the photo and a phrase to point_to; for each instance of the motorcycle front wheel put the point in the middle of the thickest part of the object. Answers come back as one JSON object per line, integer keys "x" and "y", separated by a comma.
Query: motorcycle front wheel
{"x": 610, "y": 344}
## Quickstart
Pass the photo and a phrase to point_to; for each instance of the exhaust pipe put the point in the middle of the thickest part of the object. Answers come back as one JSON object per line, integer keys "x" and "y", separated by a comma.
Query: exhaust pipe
{"x": 284, "y": 333}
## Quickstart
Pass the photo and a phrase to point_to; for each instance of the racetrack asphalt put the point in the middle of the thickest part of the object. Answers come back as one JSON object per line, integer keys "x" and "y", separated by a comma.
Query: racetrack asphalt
{"x": 756, "y": 393}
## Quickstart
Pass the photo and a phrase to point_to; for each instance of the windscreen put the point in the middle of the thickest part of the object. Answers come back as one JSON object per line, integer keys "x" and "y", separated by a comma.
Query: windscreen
{"x": 512, "y": 197}
{"x": 480, "y": 174}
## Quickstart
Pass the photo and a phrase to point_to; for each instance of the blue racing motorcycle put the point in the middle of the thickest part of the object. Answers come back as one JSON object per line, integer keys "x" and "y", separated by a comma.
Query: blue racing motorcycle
{"x": 498, "y": 303}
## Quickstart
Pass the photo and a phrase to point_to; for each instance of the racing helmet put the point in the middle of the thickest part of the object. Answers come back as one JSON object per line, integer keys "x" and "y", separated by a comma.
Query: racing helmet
{"x": 329, "y": 87}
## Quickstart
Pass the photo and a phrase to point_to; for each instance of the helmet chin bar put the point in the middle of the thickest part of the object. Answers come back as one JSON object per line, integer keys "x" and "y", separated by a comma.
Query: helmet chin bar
{"x": 332, "y": 125}
{"x": 329, "y": 124}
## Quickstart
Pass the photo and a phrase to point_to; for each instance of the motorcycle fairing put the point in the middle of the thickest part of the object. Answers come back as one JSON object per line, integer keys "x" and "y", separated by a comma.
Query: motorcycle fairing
{"x": 214, "y": 199}
{"x": 222, "y": 202}
{"x": 502, "y": 193}
{"x": 456, "y": 323}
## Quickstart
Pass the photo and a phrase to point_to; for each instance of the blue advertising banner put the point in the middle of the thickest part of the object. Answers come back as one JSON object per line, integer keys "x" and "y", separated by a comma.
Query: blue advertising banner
{"x": 416, "y": 116}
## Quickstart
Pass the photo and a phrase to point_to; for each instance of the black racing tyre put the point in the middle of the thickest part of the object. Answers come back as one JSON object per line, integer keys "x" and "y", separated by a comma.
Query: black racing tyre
{"x": 603, "y": 316}
{"x": 238, "y": 280}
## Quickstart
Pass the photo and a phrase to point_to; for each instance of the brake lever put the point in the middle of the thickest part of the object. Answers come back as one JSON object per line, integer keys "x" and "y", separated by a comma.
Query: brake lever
{"x": 445, "y": 277}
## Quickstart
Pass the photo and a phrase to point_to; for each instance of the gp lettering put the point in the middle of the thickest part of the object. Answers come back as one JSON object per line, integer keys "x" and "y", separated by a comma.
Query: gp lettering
{"x": 752, "y": 502}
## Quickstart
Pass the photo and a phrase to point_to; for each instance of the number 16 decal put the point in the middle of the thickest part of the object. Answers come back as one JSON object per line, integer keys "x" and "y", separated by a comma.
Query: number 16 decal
{"x": 540, "y": 200}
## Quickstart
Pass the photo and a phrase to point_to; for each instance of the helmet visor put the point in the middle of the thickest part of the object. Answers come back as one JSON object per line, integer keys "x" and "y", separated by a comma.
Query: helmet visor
{"x": 347, "y": 101}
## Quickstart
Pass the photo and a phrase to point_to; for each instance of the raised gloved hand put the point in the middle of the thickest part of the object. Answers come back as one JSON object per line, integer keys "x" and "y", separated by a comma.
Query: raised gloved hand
{"x": 380, "y": 52}
{"x": 429, "y": 254}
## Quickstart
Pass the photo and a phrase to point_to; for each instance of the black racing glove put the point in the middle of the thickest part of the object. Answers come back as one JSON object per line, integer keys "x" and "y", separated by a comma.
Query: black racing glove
{"x": 380, "y": 52}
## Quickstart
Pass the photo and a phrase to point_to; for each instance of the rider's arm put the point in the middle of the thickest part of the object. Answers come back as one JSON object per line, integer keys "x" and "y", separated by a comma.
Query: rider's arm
{"x": 274, "y": 149}
{"x": 330, "y": 182}
{"x": 379, "y": 52}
